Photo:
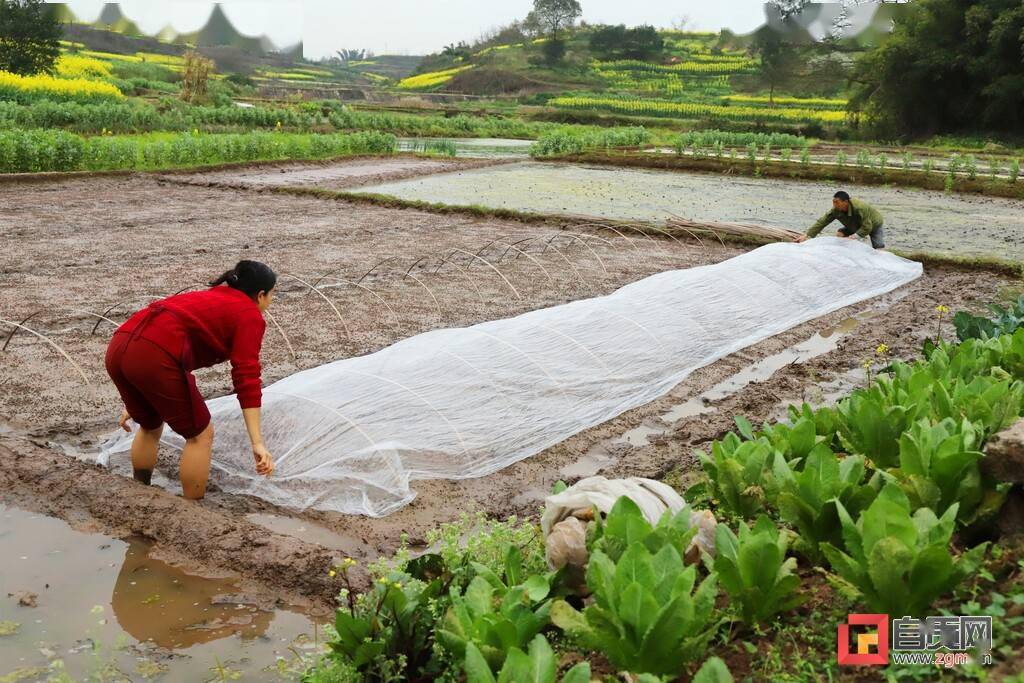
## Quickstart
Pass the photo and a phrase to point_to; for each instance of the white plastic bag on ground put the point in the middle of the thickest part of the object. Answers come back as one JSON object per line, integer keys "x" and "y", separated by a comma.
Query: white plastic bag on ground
{"x": 565, "y": 533}
{"x": 351, "y": 435}
{"x": 652, "y": 497}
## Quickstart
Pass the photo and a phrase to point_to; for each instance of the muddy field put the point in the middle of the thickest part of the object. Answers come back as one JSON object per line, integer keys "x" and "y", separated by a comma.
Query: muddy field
{"x": 77, "y": 250}
{"x": 334, "y": 176}
{"x": 915, "y": 220}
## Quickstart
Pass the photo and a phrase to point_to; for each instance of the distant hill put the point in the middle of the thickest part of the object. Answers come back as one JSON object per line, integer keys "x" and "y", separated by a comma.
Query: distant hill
{"x": 217, "y": 32}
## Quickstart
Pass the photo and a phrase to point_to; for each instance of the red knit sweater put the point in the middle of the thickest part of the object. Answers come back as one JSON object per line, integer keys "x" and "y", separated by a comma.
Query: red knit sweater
{"x": 205, "y": 328}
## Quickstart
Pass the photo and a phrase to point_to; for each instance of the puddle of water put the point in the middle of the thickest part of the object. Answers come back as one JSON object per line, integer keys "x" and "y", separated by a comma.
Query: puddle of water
{"x": 970, "y": 225}
{"x": 821, "y": 343}
{"x": 596, "y": 459}
{"x": 822, "y": 395}
{"x": 103, "y": 602}
{"x": 311, "y": 533}
{"x": 824, "y": 341}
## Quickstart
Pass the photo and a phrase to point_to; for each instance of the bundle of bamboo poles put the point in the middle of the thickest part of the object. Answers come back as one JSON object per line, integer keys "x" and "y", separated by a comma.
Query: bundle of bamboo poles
{"x": 718, "y": 229}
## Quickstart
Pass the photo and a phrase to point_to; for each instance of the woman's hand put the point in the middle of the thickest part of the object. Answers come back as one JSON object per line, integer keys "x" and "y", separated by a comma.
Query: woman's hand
{"x": 264, "y": 461}
{"x": 122, "y": 422}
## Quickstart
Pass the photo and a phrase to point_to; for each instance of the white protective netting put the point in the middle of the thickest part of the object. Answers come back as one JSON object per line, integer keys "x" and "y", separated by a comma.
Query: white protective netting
{"x": 349, "y": 436}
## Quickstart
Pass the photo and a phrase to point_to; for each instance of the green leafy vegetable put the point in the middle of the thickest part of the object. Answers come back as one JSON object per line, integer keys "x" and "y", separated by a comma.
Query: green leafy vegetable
{"x": 900, "y": 563}
{"x": 754, "y": 571}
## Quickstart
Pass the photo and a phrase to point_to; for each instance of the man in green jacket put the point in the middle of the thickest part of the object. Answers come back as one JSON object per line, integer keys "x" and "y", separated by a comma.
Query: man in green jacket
{"x": 859, "y": 219}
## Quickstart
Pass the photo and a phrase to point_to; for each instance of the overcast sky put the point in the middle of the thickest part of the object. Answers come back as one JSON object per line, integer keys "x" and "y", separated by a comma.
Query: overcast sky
{"x": 410, "y": 26}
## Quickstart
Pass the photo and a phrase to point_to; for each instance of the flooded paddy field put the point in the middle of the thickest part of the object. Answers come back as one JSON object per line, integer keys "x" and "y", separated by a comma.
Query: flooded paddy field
{"x": 90, "y": 251}
{"x": 915, "y": 220}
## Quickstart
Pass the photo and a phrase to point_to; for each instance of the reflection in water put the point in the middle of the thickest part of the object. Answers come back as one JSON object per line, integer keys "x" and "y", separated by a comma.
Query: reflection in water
{"x": 156, "y": 602}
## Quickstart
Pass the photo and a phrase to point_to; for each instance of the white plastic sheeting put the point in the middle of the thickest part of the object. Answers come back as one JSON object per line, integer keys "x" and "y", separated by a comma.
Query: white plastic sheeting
{"x": 351, "y": 435}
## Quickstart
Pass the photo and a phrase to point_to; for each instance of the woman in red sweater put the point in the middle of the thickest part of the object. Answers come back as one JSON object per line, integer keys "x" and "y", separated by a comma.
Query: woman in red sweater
{"x": 151, "y": 358}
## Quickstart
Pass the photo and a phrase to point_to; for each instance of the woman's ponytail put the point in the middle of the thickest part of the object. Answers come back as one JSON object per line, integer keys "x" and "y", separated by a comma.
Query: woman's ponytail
{"x": 250, "y": 277}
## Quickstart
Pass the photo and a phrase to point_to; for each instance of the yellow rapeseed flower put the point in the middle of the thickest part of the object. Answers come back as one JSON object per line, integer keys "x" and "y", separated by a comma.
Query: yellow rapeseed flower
{"x": 698, "y": 109}
{"x": 941, "y": 309}
{"x": 76, "y": 66}
{"x": 40, "y": 86}
{"x": 882, "y": 349}
{"x": 429, "y": 80}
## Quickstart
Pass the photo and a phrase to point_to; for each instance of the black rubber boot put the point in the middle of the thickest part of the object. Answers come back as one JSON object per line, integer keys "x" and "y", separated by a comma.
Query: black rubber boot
{"x": 143, "y": 476}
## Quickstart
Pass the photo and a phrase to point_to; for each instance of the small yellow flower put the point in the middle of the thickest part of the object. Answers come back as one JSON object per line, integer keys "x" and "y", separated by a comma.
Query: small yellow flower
{"x": 941, "y": 309}
{"x": 397, "y": 585}
{"x": 332, "y": 573}
{"x": 882, "y": 349}
{"x": 867, "y": 363}
{"x": 278, "y": 124}
{"x": 195, "y": 131}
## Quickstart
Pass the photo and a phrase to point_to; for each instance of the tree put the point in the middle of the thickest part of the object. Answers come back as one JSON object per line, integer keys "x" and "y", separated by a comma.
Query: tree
{"x": 556, "y": 15}
{"x": 350, "y": 55}
{"x": 947, "y": 66}
{"x": 619, "y": 42}
{"x": 29, "y": 37}
{"x": 460, "y": 51}
{"x": 780, "y": 61}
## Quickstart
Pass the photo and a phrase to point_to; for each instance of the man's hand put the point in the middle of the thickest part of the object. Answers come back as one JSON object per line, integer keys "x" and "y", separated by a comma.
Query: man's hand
{"x": 122, "y": 421}
{"x": 801, "y": 238}
{"x": 264, "y": 461}
{"x": 840, "y": 233}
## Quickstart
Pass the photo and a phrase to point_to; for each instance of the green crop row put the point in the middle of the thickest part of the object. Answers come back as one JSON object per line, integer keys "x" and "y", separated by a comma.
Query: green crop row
{"x": 125, "y": 117}
{"x": 460, "y": 126}
{"x": 707, "y": 139}
{"x": 876, "y": 485}
{"x": 566, "y": 142}
{"x": 36, "y": 151}
{"x": 486, "y": 610}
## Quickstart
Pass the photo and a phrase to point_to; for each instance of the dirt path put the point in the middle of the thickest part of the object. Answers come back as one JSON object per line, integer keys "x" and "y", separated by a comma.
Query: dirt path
{"x": 332, "y": 175}
{"x": 73, "y": 249}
